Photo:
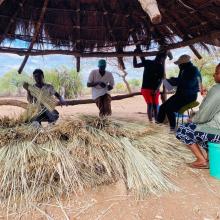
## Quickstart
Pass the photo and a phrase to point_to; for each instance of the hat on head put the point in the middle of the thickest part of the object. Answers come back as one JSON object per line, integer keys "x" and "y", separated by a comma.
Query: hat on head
{"x": 101, "y": 63}
{"x": 183, "y": 59}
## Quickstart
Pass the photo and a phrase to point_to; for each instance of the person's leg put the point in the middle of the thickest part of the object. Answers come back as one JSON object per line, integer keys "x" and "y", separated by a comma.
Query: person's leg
{"x": 204, "y": 138}
{"x": 200, "y": 158}
{"x": 149, "y": 112}
{"x": 176, "y": 102}
{"x": 99, "y": 104}
{"x": 107, "y": 105}
{"x": 164, "y": 108}
{"x": 156, "y": 104}
{"x": 52, "y": 117}
{"x": 147, "y": 94}
{"x": 172, "y": 119}
{"x": 40, "y": 117}
{"x": 186, "y": 134}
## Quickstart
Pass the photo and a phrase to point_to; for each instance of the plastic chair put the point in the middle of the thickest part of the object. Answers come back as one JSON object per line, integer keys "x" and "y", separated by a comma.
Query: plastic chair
{"x": 187, "y": 109}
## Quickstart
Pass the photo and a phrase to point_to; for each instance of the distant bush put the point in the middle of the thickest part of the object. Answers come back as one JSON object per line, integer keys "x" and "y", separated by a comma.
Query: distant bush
{"x": 11, "y": 83}
{"x": 65, "y": 81}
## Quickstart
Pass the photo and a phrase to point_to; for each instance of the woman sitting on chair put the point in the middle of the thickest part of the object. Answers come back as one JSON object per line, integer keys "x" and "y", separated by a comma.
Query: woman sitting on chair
{"x": 204, "y": 126}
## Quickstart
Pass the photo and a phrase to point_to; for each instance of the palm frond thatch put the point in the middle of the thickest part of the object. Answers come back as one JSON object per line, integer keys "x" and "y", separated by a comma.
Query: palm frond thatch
{"x": 81, "y": 27}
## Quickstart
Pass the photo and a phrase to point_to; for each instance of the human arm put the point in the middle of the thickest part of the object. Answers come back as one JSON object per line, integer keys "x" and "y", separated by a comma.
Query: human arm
{"x": 60, "y": 98}
{"x": 202, "y": 89}
{"x": 136, "y": 64}
{"x": 209, "y": 106}
{"x": 92, "y": 83}
{"x": 173, "y": 81}
{"x": 111, "y": 83}
{"x": 30, "y": 98}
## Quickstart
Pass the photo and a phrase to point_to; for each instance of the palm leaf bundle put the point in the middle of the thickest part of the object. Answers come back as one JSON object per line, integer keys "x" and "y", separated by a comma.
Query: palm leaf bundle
{"x": 85, "y": 152}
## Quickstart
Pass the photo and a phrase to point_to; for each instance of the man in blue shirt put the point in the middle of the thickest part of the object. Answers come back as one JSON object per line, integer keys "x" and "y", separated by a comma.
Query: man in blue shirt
{"x": 188, "y": 85}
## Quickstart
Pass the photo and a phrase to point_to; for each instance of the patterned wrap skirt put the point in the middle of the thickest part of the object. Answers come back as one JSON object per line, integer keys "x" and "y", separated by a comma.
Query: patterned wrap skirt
{"x": 186, "y": 133}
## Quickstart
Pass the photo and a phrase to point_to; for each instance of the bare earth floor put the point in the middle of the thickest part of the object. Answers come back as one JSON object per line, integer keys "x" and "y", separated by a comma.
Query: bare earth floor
{"x": 198, "y": 198}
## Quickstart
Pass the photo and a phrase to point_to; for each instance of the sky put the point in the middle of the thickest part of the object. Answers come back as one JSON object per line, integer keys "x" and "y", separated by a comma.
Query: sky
{"x": 13, "y": 61}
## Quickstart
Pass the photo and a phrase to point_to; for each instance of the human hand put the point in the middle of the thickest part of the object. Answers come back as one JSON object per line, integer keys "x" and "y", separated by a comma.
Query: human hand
{"x": 203, "y": 91}
{"x": 109, "y": 87}
{"x": 25, "y": 85}
{"x": 102, "y": 84}
{"x": 62, "y": 102}
{"x": 189, "y": 120}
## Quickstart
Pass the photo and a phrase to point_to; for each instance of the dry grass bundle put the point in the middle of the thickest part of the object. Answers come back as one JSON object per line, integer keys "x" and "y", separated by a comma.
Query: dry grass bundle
{"x": 84, "y": 153}
{"x": 43, "y": 97}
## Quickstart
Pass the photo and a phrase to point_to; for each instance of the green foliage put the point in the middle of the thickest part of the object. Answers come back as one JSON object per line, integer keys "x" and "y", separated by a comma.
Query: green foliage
{"x": 207, "y": 67}
{"x": 134, "y": 83}
{"x": 11, "y": 83}
{"x": 120, "y": 88}
{"x": 64, "y": 80}
{"x": 172, "y": 72}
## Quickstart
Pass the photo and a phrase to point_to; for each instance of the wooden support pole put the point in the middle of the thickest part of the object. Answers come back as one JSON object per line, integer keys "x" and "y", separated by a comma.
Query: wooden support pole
{"x": 37, "y": 30}
{"x": 22, "y": 104}
{"x": 78, "y": 64}
{"x": 196, "y": 52}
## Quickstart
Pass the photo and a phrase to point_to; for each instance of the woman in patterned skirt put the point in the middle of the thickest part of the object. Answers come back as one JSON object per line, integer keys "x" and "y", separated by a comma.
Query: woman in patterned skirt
{"x": 204, "y": 127}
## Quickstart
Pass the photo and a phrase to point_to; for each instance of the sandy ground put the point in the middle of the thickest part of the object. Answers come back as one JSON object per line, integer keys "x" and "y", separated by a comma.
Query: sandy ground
{"x": 197, "y": 199}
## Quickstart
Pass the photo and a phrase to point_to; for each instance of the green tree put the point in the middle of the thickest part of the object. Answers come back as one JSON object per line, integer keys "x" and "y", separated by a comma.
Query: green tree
{"x": 66, "y": 81}
{"x": 135, "y": 84}
{"x": 207, "y": 68}
{"x": 11, "y": 83}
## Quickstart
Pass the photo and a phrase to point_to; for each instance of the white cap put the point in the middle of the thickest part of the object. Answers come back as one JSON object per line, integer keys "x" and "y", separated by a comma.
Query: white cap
{"x": 183, "y": 59}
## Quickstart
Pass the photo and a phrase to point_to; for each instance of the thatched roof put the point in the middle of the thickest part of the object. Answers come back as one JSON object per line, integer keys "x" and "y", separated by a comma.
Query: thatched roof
{"x": 84, "y": 27}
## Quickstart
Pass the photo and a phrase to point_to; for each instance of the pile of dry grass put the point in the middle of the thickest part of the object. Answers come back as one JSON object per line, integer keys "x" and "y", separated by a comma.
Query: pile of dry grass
{"x": 37, "y": 165}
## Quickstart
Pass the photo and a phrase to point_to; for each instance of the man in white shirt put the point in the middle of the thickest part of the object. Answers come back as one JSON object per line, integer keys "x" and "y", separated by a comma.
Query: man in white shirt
{"x": 101, "y": 82}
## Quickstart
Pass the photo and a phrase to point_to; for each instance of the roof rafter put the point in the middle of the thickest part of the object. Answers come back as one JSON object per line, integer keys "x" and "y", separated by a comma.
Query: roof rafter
{"x": 37, "y": 30}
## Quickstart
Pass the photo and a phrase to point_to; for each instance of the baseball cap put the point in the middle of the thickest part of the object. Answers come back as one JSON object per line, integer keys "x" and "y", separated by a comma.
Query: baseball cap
{"x": 183, "y": 59}
{"x": 101, "y": 63}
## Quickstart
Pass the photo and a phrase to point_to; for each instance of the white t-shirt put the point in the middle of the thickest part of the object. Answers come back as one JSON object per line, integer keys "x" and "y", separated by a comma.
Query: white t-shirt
{"x": 95, "y": 76}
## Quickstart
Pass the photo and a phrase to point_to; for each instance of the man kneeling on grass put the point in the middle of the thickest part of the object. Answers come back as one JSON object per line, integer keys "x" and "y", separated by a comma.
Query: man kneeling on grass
{"x": 101, "y": 82}
{"x": 44, "y": 114}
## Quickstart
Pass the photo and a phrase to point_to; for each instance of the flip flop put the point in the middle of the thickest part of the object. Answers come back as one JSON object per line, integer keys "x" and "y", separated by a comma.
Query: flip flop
{"x": 199, "y": 166}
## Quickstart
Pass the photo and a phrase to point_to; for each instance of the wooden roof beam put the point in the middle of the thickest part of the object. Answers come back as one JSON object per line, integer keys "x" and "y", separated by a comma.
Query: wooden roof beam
{"x": 1, "y": 1}
{"x": 12, "y": 20}
{"x": 111, "y": 32}
{"x": 151, "y": 8}
{"x": 37, "y": 30}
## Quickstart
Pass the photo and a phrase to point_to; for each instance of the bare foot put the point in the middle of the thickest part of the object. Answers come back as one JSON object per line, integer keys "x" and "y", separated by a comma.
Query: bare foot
{"x": 199, "y": 164}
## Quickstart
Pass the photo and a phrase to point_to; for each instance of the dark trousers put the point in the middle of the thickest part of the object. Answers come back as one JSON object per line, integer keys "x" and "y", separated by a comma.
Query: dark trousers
{"x": 104, "y": 105}
{"x": 47, "y": 116}
{"x": 172, "y": 105}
